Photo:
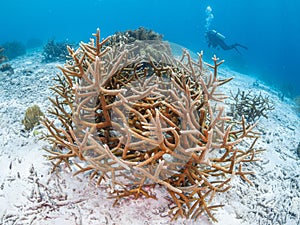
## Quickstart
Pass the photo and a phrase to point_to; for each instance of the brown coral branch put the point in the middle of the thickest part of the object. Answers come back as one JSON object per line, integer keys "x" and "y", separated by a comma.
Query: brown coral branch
{"x": 138, "y": 118}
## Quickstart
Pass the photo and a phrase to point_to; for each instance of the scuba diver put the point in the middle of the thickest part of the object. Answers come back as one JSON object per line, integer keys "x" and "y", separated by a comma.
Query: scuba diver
{"x": 215, "y": 39}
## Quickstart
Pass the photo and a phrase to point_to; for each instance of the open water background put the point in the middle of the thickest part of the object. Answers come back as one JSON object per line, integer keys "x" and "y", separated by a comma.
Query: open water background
{"x": 270, "y": 29}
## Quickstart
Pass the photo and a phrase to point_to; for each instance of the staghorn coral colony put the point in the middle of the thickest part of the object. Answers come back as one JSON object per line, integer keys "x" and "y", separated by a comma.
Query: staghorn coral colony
{"x": 55, "y": 51}
{"x": 251, "y": 106}
{"x": 135, "y": 118}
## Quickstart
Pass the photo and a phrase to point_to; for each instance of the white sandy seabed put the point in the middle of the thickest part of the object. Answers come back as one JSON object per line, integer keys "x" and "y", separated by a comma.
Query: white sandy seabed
{"x": 29, "y": 194}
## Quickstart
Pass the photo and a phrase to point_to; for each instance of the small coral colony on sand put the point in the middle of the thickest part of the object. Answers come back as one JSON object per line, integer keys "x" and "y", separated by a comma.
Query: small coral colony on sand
{"x": 128, "y": 113}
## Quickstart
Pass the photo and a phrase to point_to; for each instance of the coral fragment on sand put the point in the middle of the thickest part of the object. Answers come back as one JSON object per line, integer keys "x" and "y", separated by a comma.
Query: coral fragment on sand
{"x": 32, "y": 117}
{"x": 136, "y": 120}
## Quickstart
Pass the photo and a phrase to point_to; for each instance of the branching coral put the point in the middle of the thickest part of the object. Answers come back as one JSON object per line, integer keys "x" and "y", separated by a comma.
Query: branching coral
{"x": 130, "y": 36}
{"x": 250, "y": 105}
{"x": 54, "y": 51}
{"x": 146, "y": 41}
{"x": 136, "y": 121}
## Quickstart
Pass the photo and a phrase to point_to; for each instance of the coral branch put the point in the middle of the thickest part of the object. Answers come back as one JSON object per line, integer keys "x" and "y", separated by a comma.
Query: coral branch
{"x": 138, "y": 117}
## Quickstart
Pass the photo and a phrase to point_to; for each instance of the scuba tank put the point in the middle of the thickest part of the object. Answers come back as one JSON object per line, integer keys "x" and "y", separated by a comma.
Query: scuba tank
{"x": 221, "y": 36}
{"x": 217, "y": 34}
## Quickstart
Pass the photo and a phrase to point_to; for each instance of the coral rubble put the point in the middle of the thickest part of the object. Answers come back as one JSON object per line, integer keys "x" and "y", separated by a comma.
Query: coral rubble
{"x": 137, "y": 121}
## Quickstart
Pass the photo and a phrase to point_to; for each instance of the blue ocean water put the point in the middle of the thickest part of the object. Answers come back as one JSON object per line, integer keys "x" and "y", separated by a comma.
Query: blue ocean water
{"x": 270, "y": 29}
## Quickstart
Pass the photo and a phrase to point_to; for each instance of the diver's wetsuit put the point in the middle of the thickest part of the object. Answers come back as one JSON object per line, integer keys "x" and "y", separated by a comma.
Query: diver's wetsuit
{"x": 216, "y": 39}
